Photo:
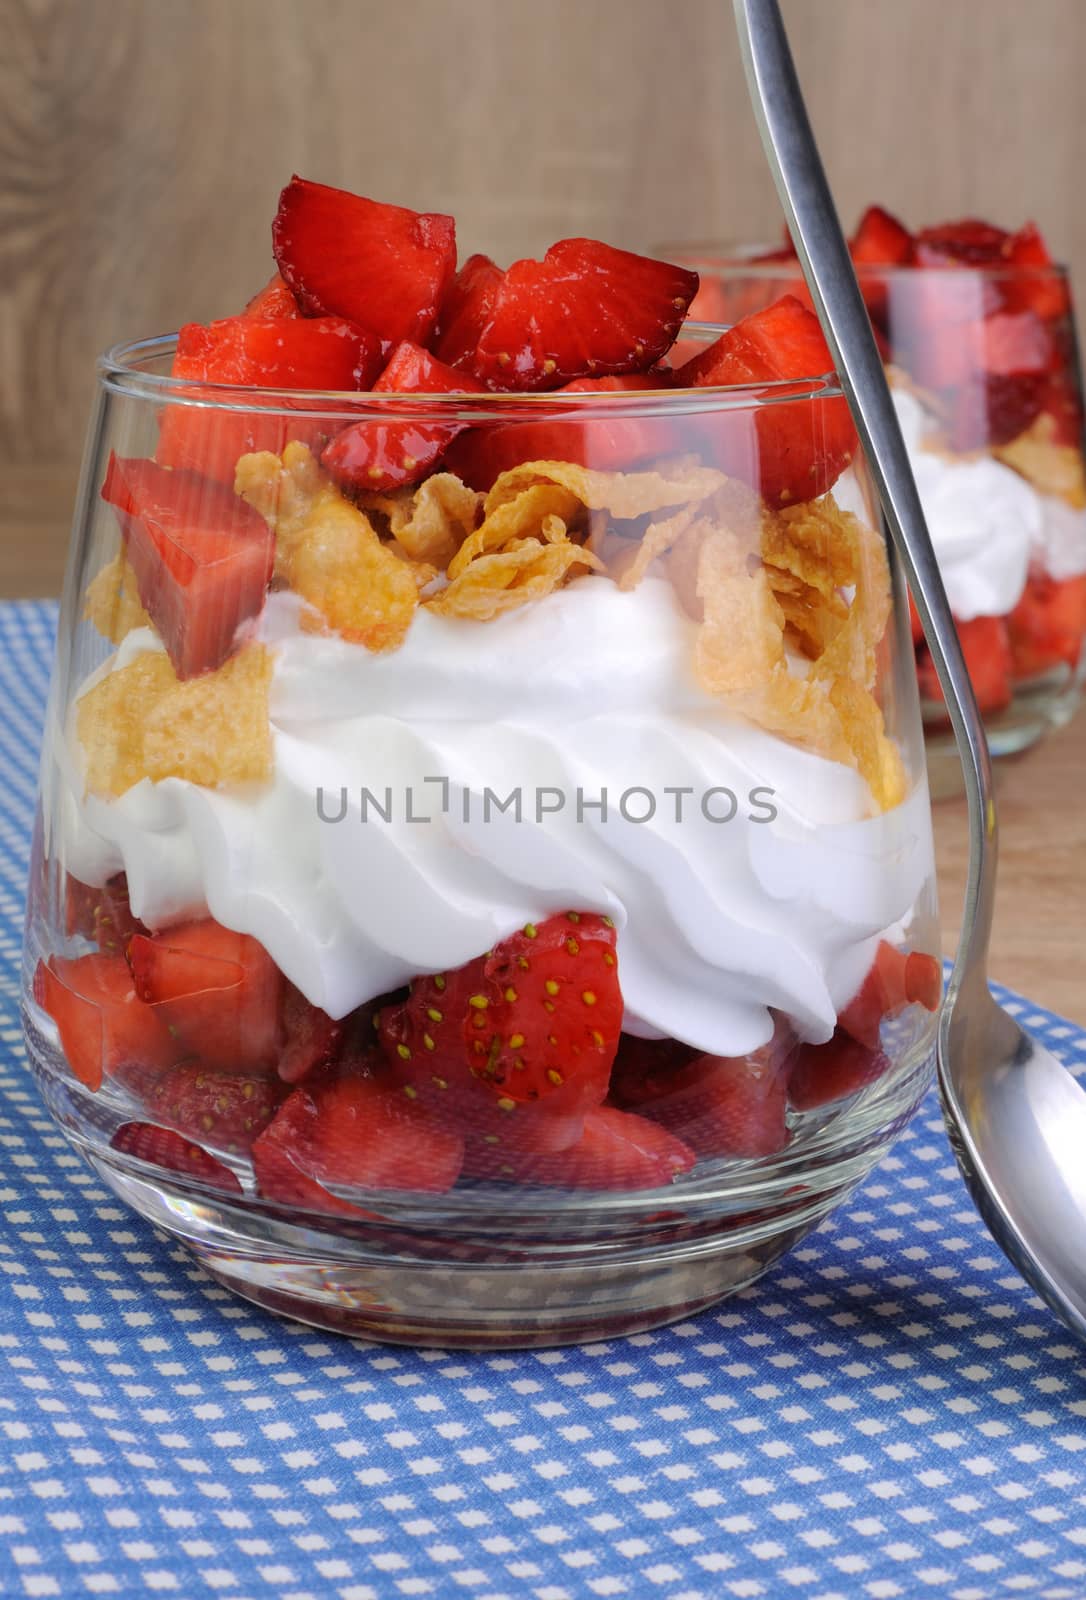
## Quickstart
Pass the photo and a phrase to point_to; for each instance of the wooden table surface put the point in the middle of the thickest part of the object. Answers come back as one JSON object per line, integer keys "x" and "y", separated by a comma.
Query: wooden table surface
{"x": 1039, "y": 940}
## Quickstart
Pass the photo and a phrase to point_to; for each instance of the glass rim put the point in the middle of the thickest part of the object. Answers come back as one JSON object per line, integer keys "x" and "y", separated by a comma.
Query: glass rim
{"x": 123, "y": 370}
{"x": 725, "y": 258}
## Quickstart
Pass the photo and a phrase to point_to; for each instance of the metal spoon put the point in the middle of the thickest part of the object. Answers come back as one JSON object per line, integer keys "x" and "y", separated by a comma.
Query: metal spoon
{"x": 1015, "y": 1116}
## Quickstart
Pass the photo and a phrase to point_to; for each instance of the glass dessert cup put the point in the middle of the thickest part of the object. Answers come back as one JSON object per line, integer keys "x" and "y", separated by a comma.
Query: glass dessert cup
{"x": 499, "y": 912}
{"x": 984, "y": 365}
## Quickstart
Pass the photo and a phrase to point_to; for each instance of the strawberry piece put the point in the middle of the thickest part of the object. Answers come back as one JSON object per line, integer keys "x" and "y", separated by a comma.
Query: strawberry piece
{"x": 226, "y": 1109}
{"x": 162, "y": 1147}
{"x": 881, "y": 240}
{"x": 608, "y": 444}
{"x": 390, "y": 455}
{"x": 617, "y": 1150}
{"x": 896, "y": 979}
{"x": 822, "y": 1073}
{"x": 274, "y": 300}
{"x": 103, "y": 915}
{"x": 968, "y": 243}
{"x": 1001, "y": 392}
{"x": 916, "y": 627}
{"x": 323, "y": 353}
{"x": 1042, "y": 287}
{"x": 105, "y": 1030}
{"x": 312, "y": 1039}
{"x": 586, "y": 310}
{"x": 381, "y": 266}
{"x": 986, "y": 646}
{"x": 1048, "y": 625}
{"x": 357, "y": 1131}
{"x": 1061, "y": 402}
{"x": 465, "y": 310}
{"x": 792, "y": 452}
{"x": 202, "y": 558}
{"x": 218, "y": 991}
{"x": 515, "y": 1047}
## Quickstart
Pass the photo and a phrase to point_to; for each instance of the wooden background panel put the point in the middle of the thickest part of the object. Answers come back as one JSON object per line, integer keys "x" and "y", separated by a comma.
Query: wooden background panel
{"x": 143, "y": 143}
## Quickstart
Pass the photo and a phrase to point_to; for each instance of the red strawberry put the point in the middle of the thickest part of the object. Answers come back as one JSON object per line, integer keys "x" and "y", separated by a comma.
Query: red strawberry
{"x": 617, "y": 1150}
{"x": 274, "y": 300}
{"x": 595, "y": 439}
{"x": 1061, "y": 403}
{"x": 968, "y": 243}
{"x": 388, "y": 455}
{"x": 986, "y": 646}
{"x": 881, "y": 240}
{"x": 896, "y": 979}
{"x": 792, "y": 452}
{"x": 161, "y": 1147}
{"x": 916, "y": 627}
{"x": 822, "y": 1073}
{"x": 1048, "y": 625}
{"x": 219, "y": 992}
{"x": 1001, "y": 385}
{"x": 105, "y": 1030}
{"x": 517, "y": 1045}
{"x": 381, "y": 266}
{"x": 265, "y": 353}
{"x": 225, "y": 1109}
{"x": 465, "y": 310}
{"x": 586, "y": 310}
{"x": 1041, "y": 286}
{"x": 102, "y": 915}
{"x": 202, "y": 558}
{"x": 356, "y": 1131}
{"x": 311, "y": 1038}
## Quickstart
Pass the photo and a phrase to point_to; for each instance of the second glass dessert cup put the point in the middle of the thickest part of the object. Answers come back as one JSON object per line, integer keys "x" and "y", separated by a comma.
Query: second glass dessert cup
{"x": 497, "y": 912}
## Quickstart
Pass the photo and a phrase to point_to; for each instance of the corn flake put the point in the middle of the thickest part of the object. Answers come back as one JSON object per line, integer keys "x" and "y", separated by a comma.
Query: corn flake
{"x": 526, "y": 514}
{"x": 504, "y": 579}
{"x": 429, "y": 523}
{"x": 624, "y": 495}
{"x": 1052, "y": 468}
{"x": 112, "y": 600}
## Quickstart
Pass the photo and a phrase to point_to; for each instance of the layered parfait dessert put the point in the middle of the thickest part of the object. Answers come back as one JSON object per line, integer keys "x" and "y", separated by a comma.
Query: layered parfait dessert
{"x": 975, "y": 324}
{"x": 499, "y": 786}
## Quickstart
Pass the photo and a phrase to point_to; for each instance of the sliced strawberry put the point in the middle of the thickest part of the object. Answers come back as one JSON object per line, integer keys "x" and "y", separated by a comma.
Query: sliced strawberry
{"x": 356, "y": 1131}
{"x": 896, "y": 979}
{"x": 590, "y": 439}
{"x": 465, "y": 310}
{"x": 312, "y": 1039}
{"x": 822, "y": 1073}
{"x": 617, "y": 1150}
{"x": 586, "y": 310}
{"x": 103, "y": 915}
{"x": 389, "y": 455}
{"x": 881, "y": 240}
{"x": 274, "y": 300}
{"x": 916, "y": 627}
{"x": 321, "y": 353}
{"x": 1048, "y": 625}
{"x": 1041, "y": 287}
{"x": 202, "y": 558}
{"x": 791, "y": 451}
{"x": 381, "y": 266}
{"x": 986, "y": 647}
{"x": 219, "y": 992}
{"x": 162, "y": 1147}
{"x": 225, "y": 1109}
{"x": 968, "y": 243}
{"x": 105, "y": 1030}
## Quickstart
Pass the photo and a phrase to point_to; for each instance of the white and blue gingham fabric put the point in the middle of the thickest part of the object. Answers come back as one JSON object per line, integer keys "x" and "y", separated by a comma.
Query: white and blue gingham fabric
{"x": 888, "y": 1413}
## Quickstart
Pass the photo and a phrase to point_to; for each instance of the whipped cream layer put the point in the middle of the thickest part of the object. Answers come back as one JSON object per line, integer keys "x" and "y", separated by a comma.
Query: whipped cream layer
{"x": 586, "y": 690}
{"x": 988, "y": 524}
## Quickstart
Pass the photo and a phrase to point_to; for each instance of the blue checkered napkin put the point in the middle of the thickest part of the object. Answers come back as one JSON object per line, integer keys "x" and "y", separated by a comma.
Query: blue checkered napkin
{"x": 889, "y": 1413}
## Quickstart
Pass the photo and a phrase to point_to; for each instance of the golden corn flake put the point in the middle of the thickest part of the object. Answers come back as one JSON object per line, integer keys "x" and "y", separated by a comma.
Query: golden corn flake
{"x": 140, "y": 721}
{"x": 624, "y": 495}
{"x": 519, "y": 518}
{"x": 656, "y": 541}
{"x": 1052, "y": 468}
{"x": 740, "y": 643}
{"x": 429, "y": 523}
{"x": 327, "y": 550}
{"x": 112, "y": 601}
{"x": 527, "y": 570}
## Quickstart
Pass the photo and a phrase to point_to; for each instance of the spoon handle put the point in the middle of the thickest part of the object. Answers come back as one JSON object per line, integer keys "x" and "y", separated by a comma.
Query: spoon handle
{"x": 816, "y": 231}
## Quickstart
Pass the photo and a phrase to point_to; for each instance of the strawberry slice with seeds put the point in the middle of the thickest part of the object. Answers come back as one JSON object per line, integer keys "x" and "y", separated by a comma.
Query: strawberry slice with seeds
{"x": 312, "y": 1039}
{"x": 390, "y": 455}
{"x": 321, "y": 353}
{"x": 202, "y": 558}
{"x": 881, "y": 240}
{"x": 103, "y": 915}
{"x": 359, "y": 1132}
{"x": 219, "y": 992}
{"x": 381, "y": 266}
{"x": 274, "y": 300}
{"x": 968, "y": 243}
{"x": 617, "y": 1150}
{"x": 832, "y": 1071}
{"x": 896, "y": 979}
{"x": 586, "y": 310}
{"x": 105, "y": 1029}
{"x": 225, "y": 1109}
{"x": 162, "y": 1147}
{"x": 465, "y": 310}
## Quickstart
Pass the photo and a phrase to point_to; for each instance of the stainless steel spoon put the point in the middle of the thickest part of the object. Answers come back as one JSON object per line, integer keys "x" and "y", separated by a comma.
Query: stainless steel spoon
{"x": 1015, "y": 1116}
